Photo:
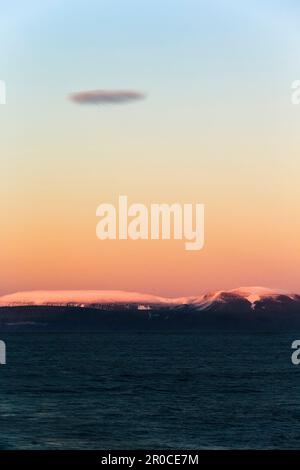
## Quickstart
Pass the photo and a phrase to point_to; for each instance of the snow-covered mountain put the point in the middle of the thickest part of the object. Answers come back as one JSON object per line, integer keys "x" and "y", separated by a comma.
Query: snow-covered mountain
{"x": 247, "y": 308}
{"x": 253, "y": 296}
{"x": 84, "y": 298}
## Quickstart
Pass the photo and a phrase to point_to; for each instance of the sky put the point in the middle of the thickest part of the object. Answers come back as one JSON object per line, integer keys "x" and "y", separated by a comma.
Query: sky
{"x": 216, "y": 127}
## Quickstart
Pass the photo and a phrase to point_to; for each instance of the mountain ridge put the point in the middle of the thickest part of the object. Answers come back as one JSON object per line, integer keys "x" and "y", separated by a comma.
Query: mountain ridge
{"x": 87, "y": 298}
{"x": 246, "y": 308}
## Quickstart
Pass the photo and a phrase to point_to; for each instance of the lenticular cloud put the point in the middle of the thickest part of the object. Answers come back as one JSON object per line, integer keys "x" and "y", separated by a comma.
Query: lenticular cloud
{"x": 99, "y": 97}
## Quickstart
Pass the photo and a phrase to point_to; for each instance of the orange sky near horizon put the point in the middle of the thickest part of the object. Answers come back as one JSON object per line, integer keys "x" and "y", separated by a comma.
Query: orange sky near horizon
{"x": 216, "y": 127}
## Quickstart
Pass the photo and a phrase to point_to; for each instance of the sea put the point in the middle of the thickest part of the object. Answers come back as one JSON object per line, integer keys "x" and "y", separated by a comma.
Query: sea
{"x": 139, "y": 390}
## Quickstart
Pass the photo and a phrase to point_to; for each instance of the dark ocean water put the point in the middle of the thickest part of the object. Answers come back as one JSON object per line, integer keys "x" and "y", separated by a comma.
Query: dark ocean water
{"x": 152, "y": 391}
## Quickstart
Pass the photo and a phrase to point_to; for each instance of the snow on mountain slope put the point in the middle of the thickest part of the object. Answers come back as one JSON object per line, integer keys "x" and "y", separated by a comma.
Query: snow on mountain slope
{"x": 254, "y": 294}
{"x": 94, "y": 297}
{"x": 251, "y": 294}
{"x": 88, "y": 297}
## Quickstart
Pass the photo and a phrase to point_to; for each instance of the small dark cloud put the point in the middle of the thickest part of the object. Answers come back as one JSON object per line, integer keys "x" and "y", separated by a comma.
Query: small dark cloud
{"x": 99, "y": 97}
